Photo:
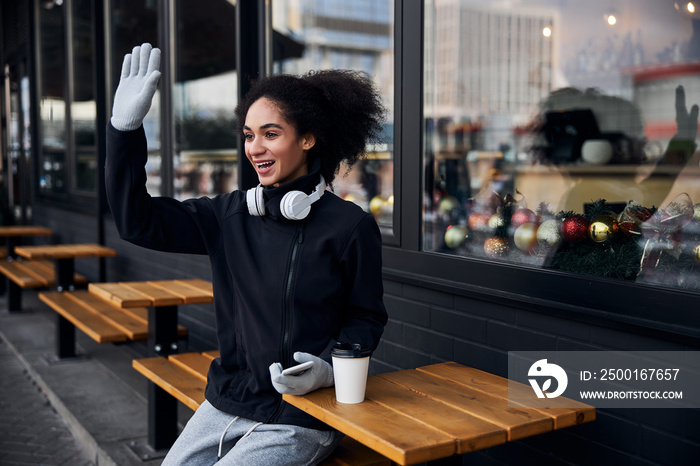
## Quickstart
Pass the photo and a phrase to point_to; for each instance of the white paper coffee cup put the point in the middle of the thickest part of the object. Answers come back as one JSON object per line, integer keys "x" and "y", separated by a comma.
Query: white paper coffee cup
{"x": 350, "y": 367}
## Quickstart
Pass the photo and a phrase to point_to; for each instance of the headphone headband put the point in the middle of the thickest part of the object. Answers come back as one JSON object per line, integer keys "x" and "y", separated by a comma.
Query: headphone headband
{"x": 295, "y": 205}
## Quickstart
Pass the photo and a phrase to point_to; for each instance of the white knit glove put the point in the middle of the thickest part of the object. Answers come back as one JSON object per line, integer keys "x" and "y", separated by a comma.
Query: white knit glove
{"x": 320, "y": 375}
{"x": 137, "y": 85}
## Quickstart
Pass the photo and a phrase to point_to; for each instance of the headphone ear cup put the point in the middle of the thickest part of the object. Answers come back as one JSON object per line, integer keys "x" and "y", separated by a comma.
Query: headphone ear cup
{"x": 290, "y": 203}
{"x": 255, "y": 201}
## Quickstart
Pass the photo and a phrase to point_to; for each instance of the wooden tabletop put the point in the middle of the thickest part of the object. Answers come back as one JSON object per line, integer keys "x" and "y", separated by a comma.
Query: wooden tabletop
{"x": 24, "y": 230}
{"x": 154, "y": 293}
{"x": 438, "y": 411}
{"x": 64, "y": 251}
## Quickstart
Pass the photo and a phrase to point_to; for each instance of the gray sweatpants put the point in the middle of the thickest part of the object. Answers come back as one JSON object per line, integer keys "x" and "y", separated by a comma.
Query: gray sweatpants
{"x": 265, "y": 445}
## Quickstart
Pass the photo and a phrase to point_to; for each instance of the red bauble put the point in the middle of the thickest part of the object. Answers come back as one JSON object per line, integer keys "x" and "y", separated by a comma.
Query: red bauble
{"x": 521, "y": 217}
{"x": 574, "y": 229}
{"x": 479, "y": 221}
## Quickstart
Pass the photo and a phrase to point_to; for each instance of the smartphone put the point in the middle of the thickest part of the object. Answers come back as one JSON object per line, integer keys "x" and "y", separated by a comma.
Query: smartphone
{"x": 298, "y": 369}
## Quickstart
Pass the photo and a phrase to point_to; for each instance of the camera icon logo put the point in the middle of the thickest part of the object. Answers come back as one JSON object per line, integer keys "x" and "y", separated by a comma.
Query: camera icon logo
{"x": 541, "y": 369}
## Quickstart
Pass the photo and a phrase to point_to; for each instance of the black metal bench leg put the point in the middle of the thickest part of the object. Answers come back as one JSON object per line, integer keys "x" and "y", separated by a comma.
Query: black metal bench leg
{"x": 65, "y": 272}
{"x": 162, "y": 418}
{"x": 162, "y": 330}
{"x": 65, "y": 338}
{"x": 14, "y": 296}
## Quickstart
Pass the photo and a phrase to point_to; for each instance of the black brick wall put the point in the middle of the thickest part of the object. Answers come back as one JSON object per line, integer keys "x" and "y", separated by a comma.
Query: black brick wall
{"x": 427, "y": 326}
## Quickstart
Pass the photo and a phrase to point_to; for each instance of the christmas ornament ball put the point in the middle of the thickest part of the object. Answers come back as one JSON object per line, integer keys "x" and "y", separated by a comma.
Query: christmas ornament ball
{"x": 574, "y": 229}
{"x": 479, "y": 221}
{"x": 445, "y": 205}
{"x": 522, "y": 216}
{"x": 602, "y": 228}
{"x": 696, "y": 254}
{"x": 549, "y": 233}
{"x": 456, "y": 236}
{"x": 525, "y": 237}
{"x": 495, "y": 221}
{"x": 696, "y": 212}
{"x": 496, "y": 246}
{"x": 376, "y": 204}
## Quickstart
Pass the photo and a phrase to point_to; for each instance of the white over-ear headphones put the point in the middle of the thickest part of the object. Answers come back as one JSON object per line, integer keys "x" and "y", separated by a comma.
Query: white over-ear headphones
{"x": 295, "y": 205}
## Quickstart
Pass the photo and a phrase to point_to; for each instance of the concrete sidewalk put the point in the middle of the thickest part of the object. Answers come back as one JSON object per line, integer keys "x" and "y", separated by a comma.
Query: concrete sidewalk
{"x": 91, "y": 410}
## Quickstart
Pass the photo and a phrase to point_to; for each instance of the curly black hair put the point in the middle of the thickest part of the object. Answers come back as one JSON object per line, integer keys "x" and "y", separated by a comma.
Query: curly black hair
{"x": 341, "y": 108}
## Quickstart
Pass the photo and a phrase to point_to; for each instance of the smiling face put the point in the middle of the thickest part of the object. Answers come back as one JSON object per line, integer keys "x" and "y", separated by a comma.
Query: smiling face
{"x": 272, "y": 145}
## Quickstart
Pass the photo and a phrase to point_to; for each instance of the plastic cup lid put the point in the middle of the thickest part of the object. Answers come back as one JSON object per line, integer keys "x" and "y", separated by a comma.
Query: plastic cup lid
{"x": 350, "y": 350}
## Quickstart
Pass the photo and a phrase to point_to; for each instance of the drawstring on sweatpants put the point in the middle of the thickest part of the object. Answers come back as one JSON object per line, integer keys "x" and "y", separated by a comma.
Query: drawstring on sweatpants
{"x": 223, "y": 434}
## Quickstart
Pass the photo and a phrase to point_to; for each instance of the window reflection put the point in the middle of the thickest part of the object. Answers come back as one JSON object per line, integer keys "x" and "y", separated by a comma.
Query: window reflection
{"x": 358, "y": 35}
{"x": 52, "y": 107}
{"x": 204, "y": 96}
{"x": 134, "y": 22}
{"x": 558, "y": 137}
{"x": 83, "y": 110}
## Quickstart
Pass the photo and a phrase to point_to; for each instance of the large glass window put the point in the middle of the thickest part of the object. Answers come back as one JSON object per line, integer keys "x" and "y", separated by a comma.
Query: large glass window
{"x": 204, "y": 97}
{"x": 563, "y": 135}
{"x": 52, "y": 105}
{"x": 358, "y": 35}
{"x": 134, "y": 22}
{"x": 83, "y": 112}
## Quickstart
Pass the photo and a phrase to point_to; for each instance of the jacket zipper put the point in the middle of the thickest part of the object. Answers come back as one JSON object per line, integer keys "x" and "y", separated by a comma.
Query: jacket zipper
{"x": 288, "y": 306}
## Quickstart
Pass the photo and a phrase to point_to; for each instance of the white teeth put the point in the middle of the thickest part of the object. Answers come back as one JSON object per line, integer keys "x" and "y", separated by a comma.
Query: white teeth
{"x": 264, "y": 164}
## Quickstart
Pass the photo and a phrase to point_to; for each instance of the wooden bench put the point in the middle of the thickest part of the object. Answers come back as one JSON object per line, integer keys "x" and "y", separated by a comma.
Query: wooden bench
{"x": 99, "y": 319}
{"x": 184, "y": 377}
{"x": 30, "y": 274}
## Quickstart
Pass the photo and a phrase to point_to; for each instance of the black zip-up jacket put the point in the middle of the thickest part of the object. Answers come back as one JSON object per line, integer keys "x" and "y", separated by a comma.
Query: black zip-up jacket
{"x": 280, "y": 286}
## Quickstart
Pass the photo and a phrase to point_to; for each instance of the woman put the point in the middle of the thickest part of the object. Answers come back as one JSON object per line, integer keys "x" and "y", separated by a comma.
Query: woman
{"x": 294, "y": 267}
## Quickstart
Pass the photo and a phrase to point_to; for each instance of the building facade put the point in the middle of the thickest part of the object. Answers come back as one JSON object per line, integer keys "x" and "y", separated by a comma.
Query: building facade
{"x": 492, "y": 107}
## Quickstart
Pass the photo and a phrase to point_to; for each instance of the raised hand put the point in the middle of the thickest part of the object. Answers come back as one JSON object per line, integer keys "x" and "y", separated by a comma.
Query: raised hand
{"x": 137, "y": 85}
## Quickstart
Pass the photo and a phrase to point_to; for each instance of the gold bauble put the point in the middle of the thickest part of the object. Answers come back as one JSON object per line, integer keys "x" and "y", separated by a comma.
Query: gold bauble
{"x": 455, "y": 236}
{"x": 376, "y": 205}
{"x": 495, "y": 221}
{"x": 525, "y": 237}
{"x": 496, "y": 246}
{"x": 696, "y": 254}
{"x": 447, "y": 204}
{"x": 602, "y": 228}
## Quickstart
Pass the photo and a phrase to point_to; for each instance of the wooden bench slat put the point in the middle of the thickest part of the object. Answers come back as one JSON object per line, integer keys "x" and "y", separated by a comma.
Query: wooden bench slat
{"x": 93, "y": 325}
{"x": 34, "y": 273}
{"x": 134, "y": 328}
{"x": 173, "y": 379}
{"x": 194, "y": 363}
{"x": 141, "y": 314}
{"x": 19, "y": 275}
